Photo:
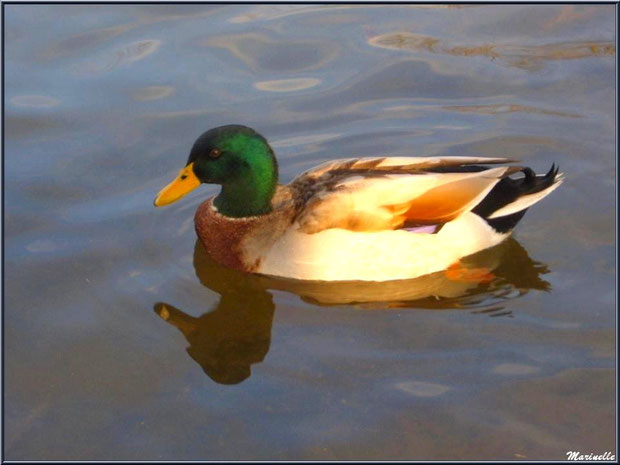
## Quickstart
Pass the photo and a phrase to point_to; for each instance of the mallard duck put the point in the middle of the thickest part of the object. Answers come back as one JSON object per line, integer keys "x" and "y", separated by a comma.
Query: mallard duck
{"x": 369, "y": 219}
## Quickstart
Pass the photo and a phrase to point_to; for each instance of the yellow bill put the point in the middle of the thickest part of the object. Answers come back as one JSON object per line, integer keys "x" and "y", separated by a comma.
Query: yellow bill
{"x": 183, "y": 184}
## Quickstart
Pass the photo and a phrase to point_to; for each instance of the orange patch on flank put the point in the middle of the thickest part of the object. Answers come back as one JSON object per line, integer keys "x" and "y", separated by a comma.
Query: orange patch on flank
{"x": 440, "y": 204}
{"x": 457, "y": 272}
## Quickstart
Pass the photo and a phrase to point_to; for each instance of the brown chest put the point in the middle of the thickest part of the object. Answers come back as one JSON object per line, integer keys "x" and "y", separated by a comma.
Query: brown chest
{"x": 240, "y": 243}
{"x": 224, "y": 237}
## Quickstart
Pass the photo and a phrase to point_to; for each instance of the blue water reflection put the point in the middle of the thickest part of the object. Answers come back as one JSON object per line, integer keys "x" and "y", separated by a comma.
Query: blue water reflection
{"x": 102, "y": 104}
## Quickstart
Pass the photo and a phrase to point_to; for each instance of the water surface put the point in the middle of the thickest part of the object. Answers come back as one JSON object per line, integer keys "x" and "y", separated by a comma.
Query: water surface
{"x": 124, "y": 341}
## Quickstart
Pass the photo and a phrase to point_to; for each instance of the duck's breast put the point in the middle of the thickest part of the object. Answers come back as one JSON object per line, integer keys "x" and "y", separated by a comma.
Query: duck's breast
{"x": 241, "y": 243}
{"x": 223, "y": 237}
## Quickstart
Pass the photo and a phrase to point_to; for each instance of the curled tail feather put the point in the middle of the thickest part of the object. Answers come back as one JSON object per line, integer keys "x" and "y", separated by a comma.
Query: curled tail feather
{"x": 508, "y": 201}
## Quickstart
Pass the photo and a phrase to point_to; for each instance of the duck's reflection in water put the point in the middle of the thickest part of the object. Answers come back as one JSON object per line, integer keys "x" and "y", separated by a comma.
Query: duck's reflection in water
{"x": 228, "y": 340}
{"x": 236, "y": 334}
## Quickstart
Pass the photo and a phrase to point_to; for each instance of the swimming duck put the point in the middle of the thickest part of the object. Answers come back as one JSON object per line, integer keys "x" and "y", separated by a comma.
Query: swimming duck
{"x": 369, "y": 219}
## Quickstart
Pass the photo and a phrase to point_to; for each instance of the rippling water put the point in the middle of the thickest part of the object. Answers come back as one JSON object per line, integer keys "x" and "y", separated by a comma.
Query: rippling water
{"x": 124, "y": 341}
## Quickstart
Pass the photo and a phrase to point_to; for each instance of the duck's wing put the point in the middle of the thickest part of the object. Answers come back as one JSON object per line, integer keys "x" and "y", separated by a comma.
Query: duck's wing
{"x": 374, "y": 194}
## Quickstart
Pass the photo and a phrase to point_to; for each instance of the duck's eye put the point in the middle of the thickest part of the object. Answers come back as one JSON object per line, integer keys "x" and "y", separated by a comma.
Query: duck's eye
{"x": 214, "y": 153}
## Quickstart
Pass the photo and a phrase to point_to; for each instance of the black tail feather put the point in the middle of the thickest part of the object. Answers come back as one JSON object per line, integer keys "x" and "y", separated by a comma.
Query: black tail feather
{"x": 508, "y": 190}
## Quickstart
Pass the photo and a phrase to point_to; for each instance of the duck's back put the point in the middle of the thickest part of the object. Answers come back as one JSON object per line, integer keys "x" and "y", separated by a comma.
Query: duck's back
{"x": 399, "y": 218}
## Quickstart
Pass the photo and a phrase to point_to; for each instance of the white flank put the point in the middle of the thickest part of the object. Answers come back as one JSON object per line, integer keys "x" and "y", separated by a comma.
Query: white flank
{"x": 527, "y": 200}
{"x": 343, "y": 255}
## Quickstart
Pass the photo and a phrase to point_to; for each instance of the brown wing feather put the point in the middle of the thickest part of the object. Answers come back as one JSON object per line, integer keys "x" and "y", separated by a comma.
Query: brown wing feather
{"x": 395, "y": 164}
{"x": 344, "y": 194}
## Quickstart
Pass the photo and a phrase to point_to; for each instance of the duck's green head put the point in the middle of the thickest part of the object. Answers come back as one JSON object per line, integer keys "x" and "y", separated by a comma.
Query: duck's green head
{"x": 240, "y": 160}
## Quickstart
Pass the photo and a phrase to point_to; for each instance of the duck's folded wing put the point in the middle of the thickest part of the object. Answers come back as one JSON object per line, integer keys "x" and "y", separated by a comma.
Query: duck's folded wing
{"x": 402, "y": 164}
{"x": 390, "y": 193}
